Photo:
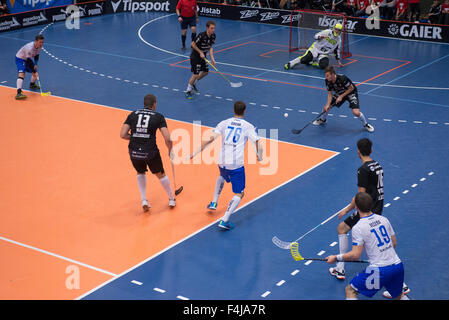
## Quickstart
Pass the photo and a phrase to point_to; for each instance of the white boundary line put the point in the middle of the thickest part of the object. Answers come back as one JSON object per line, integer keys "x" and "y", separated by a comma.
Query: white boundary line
{"x": 57, "y": 256}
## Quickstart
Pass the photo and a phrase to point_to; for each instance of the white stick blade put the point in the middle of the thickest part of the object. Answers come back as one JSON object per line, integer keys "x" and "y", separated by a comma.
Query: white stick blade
{"x": 281, "y": 244}
{"x": 236, "y": 84}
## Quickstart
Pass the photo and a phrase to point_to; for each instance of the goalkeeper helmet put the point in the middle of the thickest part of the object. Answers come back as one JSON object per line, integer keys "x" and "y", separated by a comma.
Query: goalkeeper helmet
{"x": 338, "y": 27}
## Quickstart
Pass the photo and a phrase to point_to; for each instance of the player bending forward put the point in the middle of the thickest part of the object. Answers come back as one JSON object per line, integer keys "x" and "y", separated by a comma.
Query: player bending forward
{"x": 234, "y": 133}
{"x": 26, "y": 61}
{"x": 340, "y": 89}
{"x": 140, "y": 129}
{"x": 327, "y": 41}
{"x": 375, "y": 234}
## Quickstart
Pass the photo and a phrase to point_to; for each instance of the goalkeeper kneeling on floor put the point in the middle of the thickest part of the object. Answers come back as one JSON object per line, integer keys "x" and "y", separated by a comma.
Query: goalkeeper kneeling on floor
{"x": 327, "y": 41}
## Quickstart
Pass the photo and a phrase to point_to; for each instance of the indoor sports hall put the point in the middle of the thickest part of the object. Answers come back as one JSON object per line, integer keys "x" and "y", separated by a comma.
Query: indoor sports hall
{"x": 72, "y": 225}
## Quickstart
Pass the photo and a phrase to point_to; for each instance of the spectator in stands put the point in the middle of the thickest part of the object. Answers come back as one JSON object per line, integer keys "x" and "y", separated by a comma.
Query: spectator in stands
{"x": 361, "y": 7}
{"x": 434, "y": 12}
{"x": 444, "y": 17}
{"x": 3, "y": 7}
{"x": 390, "y": 9}
{"x": 350, "y": 7}
{"x": 338, "y": 6}
{"x": 415, "y": 10}
{"x": 401, "y": 10}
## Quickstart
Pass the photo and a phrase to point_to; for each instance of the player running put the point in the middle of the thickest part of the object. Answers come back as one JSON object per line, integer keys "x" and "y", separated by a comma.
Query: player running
{"x": 375, "y": 234}
{"x": 26, "y": 61}
{"x": 340, "y": 89}
{"x": 327, "y": 41}
{"x": 200, "y": 47}
{"x": 234, "y": 132}
{"x": 140, "y": 129}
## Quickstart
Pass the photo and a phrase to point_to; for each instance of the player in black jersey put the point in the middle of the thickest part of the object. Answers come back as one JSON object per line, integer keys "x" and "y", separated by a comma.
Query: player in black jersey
{"x": 140, "y": 129}
{"x": 370, "y": 180}
{"x": 200, "y": 47}
{"x": 340, "y": 89}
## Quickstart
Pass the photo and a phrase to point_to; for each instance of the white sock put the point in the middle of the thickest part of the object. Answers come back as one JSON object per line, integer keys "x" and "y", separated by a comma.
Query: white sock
{"x": 343, "y": 245}
{"x": 19, "y": 83}
{"x": 165, "y": 182}
{"x": 189, "y": 87}
{"x": 33, "y": 79}
{"x": 235, "y": 201}
{"x": 218, "y": 188}
{"x": 352, "y": 299}
{"x": 404, "y": 297}
{"x": 142, "y": 183}
{"x": 323, "y": 116}
{"x": 362, "y": 118}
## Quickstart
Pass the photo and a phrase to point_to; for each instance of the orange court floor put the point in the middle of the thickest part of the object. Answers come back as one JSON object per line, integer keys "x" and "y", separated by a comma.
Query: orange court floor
{"x": 69, "y": 195}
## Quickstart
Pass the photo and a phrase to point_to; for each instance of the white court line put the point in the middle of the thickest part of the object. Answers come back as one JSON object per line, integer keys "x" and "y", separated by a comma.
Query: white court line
{"x": 265, "y": 294}
{"x": 321, "y": 253}
{"x": 137, "y": 282}
{"x": 294, "y": 273}
{"x": 333, "y": 244}
{"x": 159, "y": 290}
{"x": 280, "y": 283}
{"x": 182, "y": 298}
{"x": 57, "y": 256}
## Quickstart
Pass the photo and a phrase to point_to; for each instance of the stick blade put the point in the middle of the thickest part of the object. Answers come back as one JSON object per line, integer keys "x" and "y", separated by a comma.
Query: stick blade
{"x": 45, "y": 94}
{"x": 296, "y": 131}
{"x": 294, "y": 250}
{"x": 179, "y": 190}
{"x": 236, "y": 84}
{"x": 281, "y": 244}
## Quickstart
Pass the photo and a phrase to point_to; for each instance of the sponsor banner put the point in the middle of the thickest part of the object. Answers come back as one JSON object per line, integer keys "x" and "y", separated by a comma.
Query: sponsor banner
{"x": 383, "y": 28}
{"x": 54, "y": 14}
{"x": 18, "y": 6}
{"x": 115, "y": 6}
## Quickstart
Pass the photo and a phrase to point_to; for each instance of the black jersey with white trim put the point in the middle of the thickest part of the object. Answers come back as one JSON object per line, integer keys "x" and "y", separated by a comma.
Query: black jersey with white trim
{"x": 144, "y": 124}
{"x": 204, "y": 42}
{"x": 370, "y": 176}
{"x": 342, "y": 83}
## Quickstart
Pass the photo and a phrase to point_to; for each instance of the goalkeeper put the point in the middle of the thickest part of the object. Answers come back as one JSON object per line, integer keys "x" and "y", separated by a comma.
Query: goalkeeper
{"x": 327, "y": 41}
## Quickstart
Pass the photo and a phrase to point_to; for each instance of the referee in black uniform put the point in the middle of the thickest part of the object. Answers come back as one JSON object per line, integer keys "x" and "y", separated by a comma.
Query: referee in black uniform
{"x": 140, "y": 129}
{"x": 341, "y": 89}
{"x": 200, "y": 47}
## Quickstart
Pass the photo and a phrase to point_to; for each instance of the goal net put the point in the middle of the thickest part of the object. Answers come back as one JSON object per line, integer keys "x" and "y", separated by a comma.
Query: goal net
{"x": 304, "y": 24}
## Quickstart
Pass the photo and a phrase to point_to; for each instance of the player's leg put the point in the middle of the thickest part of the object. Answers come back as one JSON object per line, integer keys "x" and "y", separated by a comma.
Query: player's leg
{"x": 141, "y": 168}
{"x": 354, "y": 105}
{"x": 183, "y": 25}
{"x": 219, "y": 184}
{"x": 195, "y": 64}
{"x": 204, "y": 72}
{"x": 343, "y": 243}
{"x": 396, "y": 287}
{"x": 323, "y": 61}
{"x": 351, "y": 293}
{"x": 322, "y": 120}
{"x": 368, "y": 282}
{"x": 21, "y": 68}
{"x": 157, "y": 168}
{"x": 237, "y": 178}
{"x": 306, "y": 58}
{"x": 34, "y": 77}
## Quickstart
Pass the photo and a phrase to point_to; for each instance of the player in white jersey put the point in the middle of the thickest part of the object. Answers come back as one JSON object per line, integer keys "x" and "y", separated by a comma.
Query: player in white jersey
{"x": 375, "y": 234}
{"x": 26, "y": 61}
{"x": 234, "y": 132}
{"x": 327, "y": 41}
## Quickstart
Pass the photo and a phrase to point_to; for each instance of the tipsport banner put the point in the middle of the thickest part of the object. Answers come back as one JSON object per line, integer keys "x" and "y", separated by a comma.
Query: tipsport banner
{"x": 18, "y": 6}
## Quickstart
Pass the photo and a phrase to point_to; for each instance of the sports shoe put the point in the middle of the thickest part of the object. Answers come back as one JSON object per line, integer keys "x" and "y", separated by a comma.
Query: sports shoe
{"x": 212, "y": 206}
{"x": 287, "y": 66}
{"x": 145, "y": 205}
{"x": 319, "y": 122}
{"x": 405, "y": 290}
{"x": 20, "y": 96}
{"x": 171, "y": 203}
{"x": 225, "y": 225}
{"x": 189, "y": 95}
{"x": 195, "y": 89}
{"x": 34, "y": 86}
{"x": 184, "y": 48}
{"x": 369, "y": 127}
{"x": 340, "y": 275}
{"x": 315, "y": 64}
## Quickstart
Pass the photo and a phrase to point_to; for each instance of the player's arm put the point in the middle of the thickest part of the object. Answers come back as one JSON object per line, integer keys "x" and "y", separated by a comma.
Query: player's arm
{"x": 178, "y": 10}
{"x": 211, "y": 54}
{"x": 350, "y": 206}
{"x": 167, "y": 139}
{"x": 320, "y": 35}
{"x": 124, "y": 132}
{"x": 329, "y": 101}
{"x": 344, "y": 94}
{"x": 205, "y": 143}
{"x": 352, "y": 255}
{"x": 195, "y": 47}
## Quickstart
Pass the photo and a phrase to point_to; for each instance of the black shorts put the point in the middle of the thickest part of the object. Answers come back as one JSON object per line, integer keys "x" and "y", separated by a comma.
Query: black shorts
{"x": 352, "y": 98}
{"x": 188, "y": 21}
{"x": 197, "y": 64}
{"x": 153, "y": 161}
{"x": 355, "y": 217}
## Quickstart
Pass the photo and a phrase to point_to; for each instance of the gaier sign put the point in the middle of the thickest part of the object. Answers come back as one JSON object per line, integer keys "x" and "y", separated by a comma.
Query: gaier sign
{"x": 416, "y": 31}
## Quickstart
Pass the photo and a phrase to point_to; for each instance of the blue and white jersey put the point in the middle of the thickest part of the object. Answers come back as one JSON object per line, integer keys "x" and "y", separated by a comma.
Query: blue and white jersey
{"x": 234, "y": 133}
{"x": 28, "y": 51}
{"x": 374, "y": 232}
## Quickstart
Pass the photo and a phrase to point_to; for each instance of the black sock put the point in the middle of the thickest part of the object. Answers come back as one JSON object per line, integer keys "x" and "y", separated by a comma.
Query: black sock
{"x": 193, "y": 36}
{"x": 19, "y": 91}
{"x": 183, "y": 40}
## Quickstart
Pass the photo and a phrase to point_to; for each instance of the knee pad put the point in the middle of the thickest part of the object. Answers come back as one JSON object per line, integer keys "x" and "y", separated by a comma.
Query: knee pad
{"x": 323, "y": 63}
